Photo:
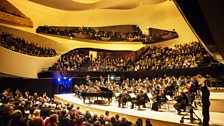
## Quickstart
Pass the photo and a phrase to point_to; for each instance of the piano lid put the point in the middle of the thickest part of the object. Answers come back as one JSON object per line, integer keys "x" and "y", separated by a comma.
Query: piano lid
{"x": 105, "y": 89}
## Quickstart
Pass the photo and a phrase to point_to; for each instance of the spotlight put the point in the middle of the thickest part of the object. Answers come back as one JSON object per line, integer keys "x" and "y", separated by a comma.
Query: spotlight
{"x": 112, "y": 77}
{"x": 69, "y": 79}
{"x": 64, "y": 77}
{"x": 59, "y": 79}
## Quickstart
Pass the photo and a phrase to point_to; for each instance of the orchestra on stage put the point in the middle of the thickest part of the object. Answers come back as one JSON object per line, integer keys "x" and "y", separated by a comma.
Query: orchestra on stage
{"x": 158, "y": 91}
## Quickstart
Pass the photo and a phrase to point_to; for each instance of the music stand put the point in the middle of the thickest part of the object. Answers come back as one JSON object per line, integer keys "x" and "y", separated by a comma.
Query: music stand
{"x": 168, "y": 101}
{"x": 169, "y": 98}
{"x": 132, "y": 95}
{"x": 150, "y": 98}
{"x": 116, "y": 95}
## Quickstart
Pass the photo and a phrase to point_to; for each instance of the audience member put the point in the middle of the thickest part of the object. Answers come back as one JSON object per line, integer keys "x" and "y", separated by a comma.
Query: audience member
{"x": 187, "y": 55}
{"x": 139, "y": 122}
{"x": 94, "y": 33}
{"x": 148, "y": 122}
{"x": 181, "y": 56}
{"x": 60, "y": 114}
{"x": 20, "y": 45}
{"x": 53, "y": 120}
{"x": 109, "y": 64}
{"x": 71, "y": 61}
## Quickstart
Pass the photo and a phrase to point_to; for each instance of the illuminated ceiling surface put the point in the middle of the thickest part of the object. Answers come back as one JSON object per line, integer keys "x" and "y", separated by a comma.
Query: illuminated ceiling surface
{"x": 73, "y": 5}
{"x": 98, "y": 13}
{"x": 160, "y": 14}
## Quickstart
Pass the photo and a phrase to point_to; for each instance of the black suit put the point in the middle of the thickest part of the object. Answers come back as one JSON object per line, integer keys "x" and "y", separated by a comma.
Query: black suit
{"x": 139, "y": 100}
{"x": 122, "y": 99}
{"x": 205, "y": 105}
{"x": 182, "y": 102}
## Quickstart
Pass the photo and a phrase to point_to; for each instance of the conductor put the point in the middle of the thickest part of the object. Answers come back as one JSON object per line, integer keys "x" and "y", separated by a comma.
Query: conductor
{"x": 205, "y": 100}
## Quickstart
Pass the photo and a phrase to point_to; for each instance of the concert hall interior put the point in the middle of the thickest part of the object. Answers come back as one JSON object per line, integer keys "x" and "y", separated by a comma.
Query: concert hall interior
{"x": 111, "y": 63}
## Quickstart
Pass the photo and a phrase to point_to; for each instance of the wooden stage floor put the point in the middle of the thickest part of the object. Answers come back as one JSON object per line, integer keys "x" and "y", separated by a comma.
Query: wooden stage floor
{"x": 164, "y": 117}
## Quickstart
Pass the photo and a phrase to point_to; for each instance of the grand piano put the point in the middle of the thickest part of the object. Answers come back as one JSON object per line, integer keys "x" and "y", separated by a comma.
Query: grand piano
{"x": 103, "y": 93}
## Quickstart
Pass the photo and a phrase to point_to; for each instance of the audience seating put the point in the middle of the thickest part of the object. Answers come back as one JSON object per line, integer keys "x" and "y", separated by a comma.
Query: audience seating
{"x": 22, "y": 46}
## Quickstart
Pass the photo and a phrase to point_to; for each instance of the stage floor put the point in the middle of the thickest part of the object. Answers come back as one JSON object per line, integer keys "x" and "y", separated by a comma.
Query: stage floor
{"x": 164, "y": 117}
{"x": 219, "y": 96}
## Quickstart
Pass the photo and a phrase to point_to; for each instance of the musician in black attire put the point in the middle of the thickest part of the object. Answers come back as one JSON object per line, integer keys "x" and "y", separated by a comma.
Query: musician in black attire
{"x": 170, "y": 90}
{"x": 146, "y": 99}
{"x": 205, "y": 100}
{"x": 156, "y": 100}
{"x": 193, "y": 90}
{"x": 123, "y": 98}
{"x": 205, "y": 105}
{"x": 182, "y": 102}
{"x": 141, "y": 99}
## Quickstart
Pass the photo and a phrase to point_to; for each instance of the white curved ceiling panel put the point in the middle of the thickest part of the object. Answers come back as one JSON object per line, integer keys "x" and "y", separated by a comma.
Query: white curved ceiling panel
{"x": 152, "y": 1}
{"x": 65, "y": 5}
{"x": 87, "y": 1}
{"x": 118, "y": 4}
{"x": 76, "y": 5}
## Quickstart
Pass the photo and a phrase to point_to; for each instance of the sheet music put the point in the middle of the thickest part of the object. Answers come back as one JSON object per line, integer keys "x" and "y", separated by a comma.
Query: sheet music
{"x": 132, "y": 95}
{"x": 169, "y": 98}
{"x": 117, "y": 94}
{"x": 149, "y": 95}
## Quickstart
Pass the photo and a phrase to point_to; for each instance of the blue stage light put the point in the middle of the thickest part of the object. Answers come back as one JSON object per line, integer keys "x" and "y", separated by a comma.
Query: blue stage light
{"x": 69, "y": 79}
{"x": 59, "y": 79}
{"x": 64, "y": 77}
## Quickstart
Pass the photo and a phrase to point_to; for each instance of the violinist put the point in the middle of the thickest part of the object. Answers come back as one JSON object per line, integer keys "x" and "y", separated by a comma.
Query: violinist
{"x": 194, "y": 87}
{"x": 170, "y": 89}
